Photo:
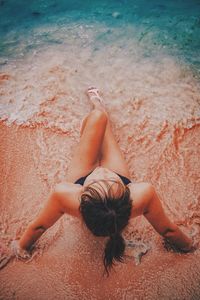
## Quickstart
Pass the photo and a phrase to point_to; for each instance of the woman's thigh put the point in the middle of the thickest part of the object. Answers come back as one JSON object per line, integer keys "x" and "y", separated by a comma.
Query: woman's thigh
{"x": 111, "y": 155}
{"x": 86, "y": 155}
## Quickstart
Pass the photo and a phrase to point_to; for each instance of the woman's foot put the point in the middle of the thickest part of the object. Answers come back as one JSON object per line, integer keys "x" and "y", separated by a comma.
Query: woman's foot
{"x": 95, "y": 98}
{"x": 97, "y": 102}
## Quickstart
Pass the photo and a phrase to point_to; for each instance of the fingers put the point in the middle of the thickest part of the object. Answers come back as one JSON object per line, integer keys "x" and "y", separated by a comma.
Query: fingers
{"x": 18, "y": 251}
{"x": 6, "y": 254}
{"x": 92, "y": 91}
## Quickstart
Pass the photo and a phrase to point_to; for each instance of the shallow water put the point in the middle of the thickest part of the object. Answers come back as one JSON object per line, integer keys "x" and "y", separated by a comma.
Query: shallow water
{"x": 145, "y": 58}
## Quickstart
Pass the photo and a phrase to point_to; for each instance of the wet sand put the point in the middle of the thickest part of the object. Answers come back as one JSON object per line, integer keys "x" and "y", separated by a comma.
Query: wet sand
{"x": 154, "y": 109}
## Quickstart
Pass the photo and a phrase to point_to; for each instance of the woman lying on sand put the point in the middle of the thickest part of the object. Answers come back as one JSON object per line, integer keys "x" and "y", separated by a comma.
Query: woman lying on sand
{"x": 99, "y": 191}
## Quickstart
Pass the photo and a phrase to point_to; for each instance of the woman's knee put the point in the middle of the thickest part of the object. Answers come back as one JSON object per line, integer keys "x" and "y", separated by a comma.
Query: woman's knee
{"x": 99, "y": 116}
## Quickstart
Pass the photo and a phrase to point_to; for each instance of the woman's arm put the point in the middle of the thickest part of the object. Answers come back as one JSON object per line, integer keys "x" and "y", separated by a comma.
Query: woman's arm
{"x": 51, "y": 212}
{"x": 156, "y": 216}
{"x": 61, "y": 200}
{"x": 148, "y": 204}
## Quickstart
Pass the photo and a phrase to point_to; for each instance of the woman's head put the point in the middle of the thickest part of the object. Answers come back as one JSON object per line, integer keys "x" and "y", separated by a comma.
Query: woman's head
{"x": 106, "y": 209}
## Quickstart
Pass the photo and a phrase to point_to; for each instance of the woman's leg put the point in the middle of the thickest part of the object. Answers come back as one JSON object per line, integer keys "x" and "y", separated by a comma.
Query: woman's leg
{"x": 87, "y": 153}
{"x": 111, "y": 156}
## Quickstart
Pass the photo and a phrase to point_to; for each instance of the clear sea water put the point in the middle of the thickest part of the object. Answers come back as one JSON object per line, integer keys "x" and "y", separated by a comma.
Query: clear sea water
{"x": 172, "y": 26}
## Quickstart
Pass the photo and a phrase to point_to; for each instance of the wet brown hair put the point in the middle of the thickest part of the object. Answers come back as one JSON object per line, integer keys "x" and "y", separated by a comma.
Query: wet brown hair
{"x": 106, "y": 214}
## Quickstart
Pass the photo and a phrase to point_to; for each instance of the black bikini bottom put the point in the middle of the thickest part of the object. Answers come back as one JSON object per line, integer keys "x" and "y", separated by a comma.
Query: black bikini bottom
{"x": 81, "y": 180}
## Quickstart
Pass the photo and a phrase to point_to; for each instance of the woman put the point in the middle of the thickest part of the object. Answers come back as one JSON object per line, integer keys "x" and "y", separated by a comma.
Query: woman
{"x": 99, "y": 191}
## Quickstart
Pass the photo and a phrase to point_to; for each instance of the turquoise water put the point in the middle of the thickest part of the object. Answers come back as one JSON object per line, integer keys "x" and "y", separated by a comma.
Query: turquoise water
{"x": 171, "y": 26}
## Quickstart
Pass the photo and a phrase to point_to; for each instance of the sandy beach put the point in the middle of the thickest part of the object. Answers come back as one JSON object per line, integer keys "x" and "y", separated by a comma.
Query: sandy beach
{"x": 154, "y": 105}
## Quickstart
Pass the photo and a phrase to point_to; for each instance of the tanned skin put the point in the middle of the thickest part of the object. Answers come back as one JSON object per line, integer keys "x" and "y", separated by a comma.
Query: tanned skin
{"x": 99, "y": 151}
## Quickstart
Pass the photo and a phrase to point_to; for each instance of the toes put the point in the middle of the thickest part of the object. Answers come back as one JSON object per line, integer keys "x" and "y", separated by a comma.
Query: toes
{"x": 94, "y": 96}
{"x": 93, "y": 90}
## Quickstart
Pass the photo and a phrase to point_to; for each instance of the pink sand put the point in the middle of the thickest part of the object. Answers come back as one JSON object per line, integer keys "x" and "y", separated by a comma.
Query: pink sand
{"x": 154, "y": 108}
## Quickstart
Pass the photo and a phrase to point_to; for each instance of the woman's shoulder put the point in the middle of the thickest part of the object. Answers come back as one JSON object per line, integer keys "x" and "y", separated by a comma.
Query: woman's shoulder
{"x": 69, "y": 195}
{"x": 139, "y": 194}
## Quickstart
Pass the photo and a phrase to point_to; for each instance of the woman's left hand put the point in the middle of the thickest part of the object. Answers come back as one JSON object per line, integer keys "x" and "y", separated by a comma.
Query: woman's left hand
{"x": 18, "y": 251}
